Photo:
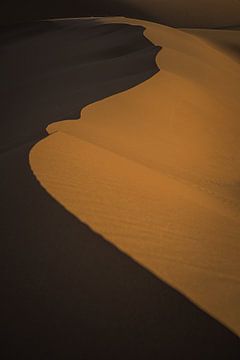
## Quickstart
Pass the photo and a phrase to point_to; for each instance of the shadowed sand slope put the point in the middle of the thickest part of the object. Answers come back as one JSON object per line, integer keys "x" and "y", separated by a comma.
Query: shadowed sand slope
{"x": 67, "y": 293}
{"x": 156, "y": 170}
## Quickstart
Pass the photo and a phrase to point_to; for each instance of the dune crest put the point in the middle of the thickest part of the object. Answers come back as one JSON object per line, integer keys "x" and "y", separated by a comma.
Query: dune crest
{"x": 155, "y": 170}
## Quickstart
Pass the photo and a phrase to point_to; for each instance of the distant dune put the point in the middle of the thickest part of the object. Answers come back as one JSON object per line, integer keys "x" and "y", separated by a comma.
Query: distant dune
{"x": 177, "y": 13}
{"x": 156, "y": 170}
{"x": 225, "y": 40}
{"x": 203, "y": 13}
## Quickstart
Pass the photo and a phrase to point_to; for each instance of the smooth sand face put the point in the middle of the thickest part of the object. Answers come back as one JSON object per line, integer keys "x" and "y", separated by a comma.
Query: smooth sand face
{"x": 155, "y": 170}
{"x": 224, "y": 40}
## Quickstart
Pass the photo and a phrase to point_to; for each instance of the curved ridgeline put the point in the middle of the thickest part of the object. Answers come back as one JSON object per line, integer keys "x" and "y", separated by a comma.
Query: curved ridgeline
{"x": 66, "y": 292}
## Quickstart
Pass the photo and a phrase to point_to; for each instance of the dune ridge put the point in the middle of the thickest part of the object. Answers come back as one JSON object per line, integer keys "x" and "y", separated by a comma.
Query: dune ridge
{"x": 66, "y": 290}
{"x": 156, "y": 170}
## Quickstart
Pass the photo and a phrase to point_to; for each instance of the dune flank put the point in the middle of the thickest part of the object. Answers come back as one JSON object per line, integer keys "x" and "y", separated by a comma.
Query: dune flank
{"x": 67, "y": 291}
{"x": 155, "y": 170}
{"x": 224, "y": 40}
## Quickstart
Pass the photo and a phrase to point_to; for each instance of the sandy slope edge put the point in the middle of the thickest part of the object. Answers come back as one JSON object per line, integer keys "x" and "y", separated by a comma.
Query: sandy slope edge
{"x": 225, "y": 40}
{"x": 156, "y": 170}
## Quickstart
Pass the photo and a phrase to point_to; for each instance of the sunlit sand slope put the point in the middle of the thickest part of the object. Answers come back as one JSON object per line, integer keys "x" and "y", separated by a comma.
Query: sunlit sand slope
{"x": 156, "y": 170}
{"x": 225, "y": 40}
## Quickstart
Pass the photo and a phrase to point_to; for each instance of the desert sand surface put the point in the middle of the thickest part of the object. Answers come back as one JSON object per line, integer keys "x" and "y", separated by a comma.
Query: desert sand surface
{"x": 155, "y": 170}
{"x": 224, "y": 40}
{"x": 120, "y": 230}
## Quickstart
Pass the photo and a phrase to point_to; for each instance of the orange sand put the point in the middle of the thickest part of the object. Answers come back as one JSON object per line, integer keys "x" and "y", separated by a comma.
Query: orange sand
{"x": 156, "y": 170}
{"x": 224, "y": 40}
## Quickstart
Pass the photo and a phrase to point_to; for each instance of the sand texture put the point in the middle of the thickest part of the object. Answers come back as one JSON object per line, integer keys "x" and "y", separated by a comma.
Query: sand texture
{"x": 227, "y": 41}
{"x": 155, "y": 170}
{"x": 119, "y": 184}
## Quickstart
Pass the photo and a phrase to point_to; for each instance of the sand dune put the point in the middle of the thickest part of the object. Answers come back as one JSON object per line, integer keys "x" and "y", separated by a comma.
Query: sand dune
{"x": 147, "y": 167}
{"x": 55, "y": 270}
{"x": 156, "y": 170}
{"x": 224, "y": 40}
{"x": 204, "y": 13}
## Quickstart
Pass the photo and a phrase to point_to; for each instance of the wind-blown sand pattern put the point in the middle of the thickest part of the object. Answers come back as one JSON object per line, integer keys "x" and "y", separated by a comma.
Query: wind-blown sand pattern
{"x": 155, "y": 170}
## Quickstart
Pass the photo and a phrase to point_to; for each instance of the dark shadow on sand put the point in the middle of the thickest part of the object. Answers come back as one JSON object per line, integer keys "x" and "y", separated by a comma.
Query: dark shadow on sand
{"x": 66, "y": 293}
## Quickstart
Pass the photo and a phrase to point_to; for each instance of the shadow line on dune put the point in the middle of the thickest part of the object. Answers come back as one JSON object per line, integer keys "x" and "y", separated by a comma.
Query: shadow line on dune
{"x": 68, "y": 292}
